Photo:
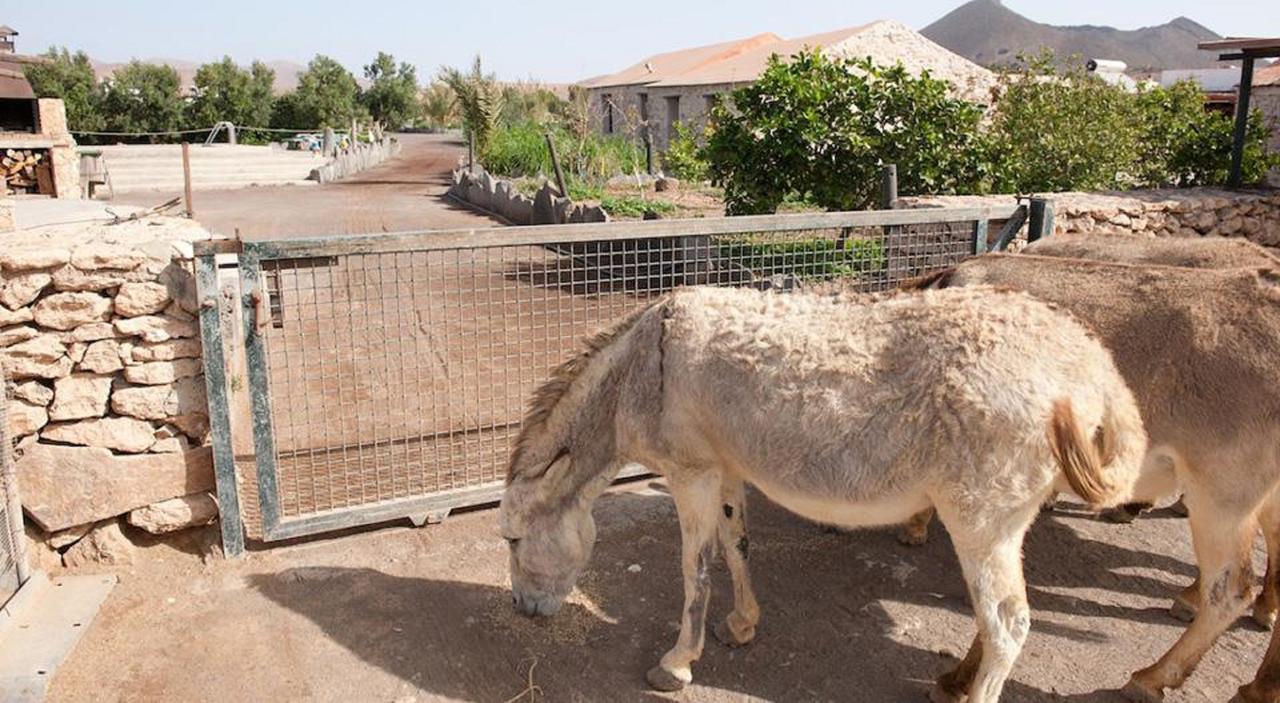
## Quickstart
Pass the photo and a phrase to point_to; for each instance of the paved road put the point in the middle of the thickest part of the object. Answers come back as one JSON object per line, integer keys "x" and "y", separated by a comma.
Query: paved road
{"x": 403, "y": 193}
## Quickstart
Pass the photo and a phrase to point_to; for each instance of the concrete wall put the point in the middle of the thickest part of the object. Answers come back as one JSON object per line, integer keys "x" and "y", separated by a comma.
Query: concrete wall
{"x": 353, "y": 161}
{"x": 499, "y": 197}
{"x": 99, "y": 340}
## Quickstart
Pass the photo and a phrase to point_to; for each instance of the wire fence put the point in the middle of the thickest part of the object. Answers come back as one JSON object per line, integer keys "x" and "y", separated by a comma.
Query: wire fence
{"x": 398, "y": 373}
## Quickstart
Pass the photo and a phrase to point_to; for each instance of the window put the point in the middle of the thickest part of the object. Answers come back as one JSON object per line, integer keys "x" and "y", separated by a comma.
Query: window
{"x": 644, "y": 107}
{"x": 606, "y": 103}
{"x": 673, "y": 114}
{"x": 708, "y": 102}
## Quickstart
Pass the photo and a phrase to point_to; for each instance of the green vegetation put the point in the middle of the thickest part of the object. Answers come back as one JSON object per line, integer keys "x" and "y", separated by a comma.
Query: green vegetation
{"x": 818, "y": 130}
{"x": 479, "y": 100}
{"x": 634, "y": 206}
{"x": 142, "y": 97}
{"x": 683, "y": 158}
{"x": 392, "y": 95}
{"x": 806, "y": 258}
{"x": 521, "y": 150}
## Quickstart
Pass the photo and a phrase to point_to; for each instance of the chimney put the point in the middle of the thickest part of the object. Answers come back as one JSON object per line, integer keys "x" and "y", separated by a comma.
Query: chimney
{"x": 7, "y": 34}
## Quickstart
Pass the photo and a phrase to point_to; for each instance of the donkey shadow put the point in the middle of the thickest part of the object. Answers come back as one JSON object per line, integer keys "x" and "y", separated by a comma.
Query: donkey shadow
{"x": 826, "y": 633}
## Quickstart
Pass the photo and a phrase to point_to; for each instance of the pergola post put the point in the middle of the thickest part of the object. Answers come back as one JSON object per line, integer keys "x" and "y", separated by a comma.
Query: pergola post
{"x": 1242, "y": 122}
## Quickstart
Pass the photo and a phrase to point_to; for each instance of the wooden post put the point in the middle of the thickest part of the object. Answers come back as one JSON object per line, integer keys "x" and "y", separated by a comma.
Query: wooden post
{"x": 555, "y": 163}
{"x": 354, "y": 127}
{"x": 471, "y": 152}
{"x": 186, "y": 178}
{"x": 648, "y": 151}
{"x": 1242, "y": 122}
{"x": 888, "y": 186}
{"x": 1040, "y": 220}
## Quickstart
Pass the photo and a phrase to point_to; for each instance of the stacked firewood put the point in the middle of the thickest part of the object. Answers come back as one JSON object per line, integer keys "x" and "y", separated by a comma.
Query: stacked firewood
{"x": 21, "y": 169}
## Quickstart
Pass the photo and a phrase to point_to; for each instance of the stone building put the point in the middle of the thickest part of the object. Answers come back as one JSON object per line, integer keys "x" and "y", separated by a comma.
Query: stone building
{"x": 680, "y": 86}
{"x": 1266, "y": 98}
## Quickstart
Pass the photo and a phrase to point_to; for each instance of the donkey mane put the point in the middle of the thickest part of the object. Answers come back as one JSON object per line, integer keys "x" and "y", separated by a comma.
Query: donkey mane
{"x": 548, "y": 395}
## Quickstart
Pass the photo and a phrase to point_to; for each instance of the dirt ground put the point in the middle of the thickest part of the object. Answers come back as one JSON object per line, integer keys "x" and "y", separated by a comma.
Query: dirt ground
{"x": 400, "y": 614}
{"x": 403, "y": 193}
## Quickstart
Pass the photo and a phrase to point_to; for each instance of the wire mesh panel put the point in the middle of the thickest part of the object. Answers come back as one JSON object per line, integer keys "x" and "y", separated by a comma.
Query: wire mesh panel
{"x": 394, "y": 376}
{"x": 9, "y": 535}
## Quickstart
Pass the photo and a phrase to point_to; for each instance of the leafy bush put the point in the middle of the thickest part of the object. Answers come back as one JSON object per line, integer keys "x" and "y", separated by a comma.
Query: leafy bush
{"x": 479, "y": 100}
{"x": 392, "y": 95}
{"x": 682, "y": 158}
{"x": 806, "y": 258}
{"x": 142, "y": 97}
{"x": 823, "y": 128}
{"x": 224, "y": 91}
{"x": 70, "y": 77}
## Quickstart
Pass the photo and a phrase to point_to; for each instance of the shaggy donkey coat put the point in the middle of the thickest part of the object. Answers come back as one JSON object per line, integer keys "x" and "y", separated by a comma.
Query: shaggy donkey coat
{"x": 847, "y": 412}
{"x": 1199, "y": 349}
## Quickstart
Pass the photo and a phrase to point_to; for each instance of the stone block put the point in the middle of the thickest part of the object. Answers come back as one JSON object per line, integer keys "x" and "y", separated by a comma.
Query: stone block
{"x": 164, "y": 351}
{"x": 39, "y": 357}
{"x": 22, "y": 289}
{"x": 64, "y": 311}
{"x": 141, "y": 298}
{"x": 10, "y": 336}
{"x": 123, "y": 434}
{"x": 34, "y": 260}
{"x": 33, "y": 392}
{"x": 13, "y": 317}
{"x": 155, "y": 328}
{"x": 91, "y": 332}
{"x": 67, "y": 486}
{"x": 98, "y": 256}
{"x": 161, "y": 372}
{"x": 25, "y": 418}
{"x": 105, "y": 545}
{"x": 80, "y": 396}
{"x": 176, "y": 514}
{"x": 102, "y": 356}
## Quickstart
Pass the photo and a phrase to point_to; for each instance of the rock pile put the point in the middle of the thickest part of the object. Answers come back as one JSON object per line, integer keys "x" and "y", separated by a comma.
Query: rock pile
{"x": 100, "y": 343}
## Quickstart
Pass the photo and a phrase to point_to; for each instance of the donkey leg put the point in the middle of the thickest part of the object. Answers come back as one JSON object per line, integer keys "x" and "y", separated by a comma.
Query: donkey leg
{"x": 739, "y": 627}
{"x": 1264, "y": 610}
{"x": 999, "y": 597}
{"x": 1265, "y": 687}
{"x": 1187, "y": 602}
{"x": 915, "y": 532}
{"x": 1226, "y": 583}
{"x": 697, "y": 499}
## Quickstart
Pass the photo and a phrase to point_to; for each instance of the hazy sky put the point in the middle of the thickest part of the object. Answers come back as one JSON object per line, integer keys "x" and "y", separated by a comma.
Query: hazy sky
{"x": 555, "y": 40}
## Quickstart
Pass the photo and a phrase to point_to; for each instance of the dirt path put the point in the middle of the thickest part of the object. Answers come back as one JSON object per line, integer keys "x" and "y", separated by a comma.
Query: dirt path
{"x": 402, "y": 614}
{"x": 403, "y": 193}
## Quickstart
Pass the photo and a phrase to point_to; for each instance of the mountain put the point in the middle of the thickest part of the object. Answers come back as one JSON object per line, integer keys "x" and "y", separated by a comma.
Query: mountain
{"x": 988, "y": 33}
{"x": 286, "y": 72}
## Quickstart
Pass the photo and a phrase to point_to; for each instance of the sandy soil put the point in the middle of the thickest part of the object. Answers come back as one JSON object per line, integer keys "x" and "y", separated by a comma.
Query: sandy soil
{"x": 402, "y": 614}
{"x": 403, "y": 193}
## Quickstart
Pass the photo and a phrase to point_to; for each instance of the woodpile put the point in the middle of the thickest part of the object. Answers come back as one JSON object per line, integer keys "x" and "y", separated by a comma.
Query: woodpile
{"x": 26, "y": 170}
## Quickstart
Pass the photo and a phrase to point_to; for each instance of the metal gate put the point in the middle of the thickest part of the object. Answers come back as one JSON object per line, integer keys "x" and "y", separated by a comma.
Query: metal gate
{"x": 386, "y": 375}
{"x": 12, "y": 566}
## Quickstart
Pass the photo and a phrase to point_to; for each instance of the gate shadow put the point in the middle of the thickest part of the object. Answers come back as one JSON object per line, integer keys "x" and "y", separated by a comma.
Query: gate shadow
{"x": 823, "y": 635}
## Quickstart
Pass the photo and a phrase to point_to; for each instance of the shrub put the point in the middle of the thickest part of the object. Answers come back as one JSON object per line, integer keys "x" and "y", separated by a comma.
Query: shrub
{"x": 822, "y": 128}
{"x": 818, "y": 258}
{"x": 683, "y": 159}
{"x": 521, "y": 150}
{"x": 632, "y": 206}
{"x": 70, "y": 77}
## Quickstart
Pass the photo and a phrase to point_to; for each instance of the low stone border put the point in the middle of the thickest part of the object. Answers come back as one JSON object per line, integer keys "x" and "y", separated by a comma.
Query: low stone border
{"x": 353, "y": 161}
{"x": 499, "y": 197}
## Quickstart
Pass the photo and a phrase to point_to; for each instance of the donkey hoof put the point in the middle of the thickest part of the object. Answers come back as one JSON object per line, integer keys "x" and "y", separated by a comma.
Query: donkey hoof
{"x": 1141, "y": 693}
{"x": 726, "y": 636}
{"x": 662, "y": 680}
{"x": 939, "y": 694}
{"x": 1264, "y": 616}
{"x": 1182, "y": 610}
{"x": 912, "y": 539}
{"x": 1120, "y": 515}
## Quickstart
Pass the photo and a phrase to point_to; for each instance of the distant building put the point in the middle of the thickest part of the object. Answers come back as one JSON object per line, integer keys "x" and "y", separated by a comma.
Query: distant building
{"x": 7, "y": 34}
{"x": 1266, "y": 98}
{"x": 680, "y": 86}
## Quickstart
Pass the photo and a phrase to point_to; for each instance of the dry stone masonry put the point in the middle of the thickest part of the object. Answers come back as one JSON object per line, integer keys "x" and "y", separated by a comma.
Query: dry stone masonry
{"x": 107, "y": 407}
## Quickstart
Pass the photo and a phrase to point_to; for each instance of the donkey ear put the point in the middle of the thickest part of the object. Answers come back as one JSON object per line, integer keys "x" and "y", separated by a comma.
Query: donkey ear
{"x": 1268, "y": 281}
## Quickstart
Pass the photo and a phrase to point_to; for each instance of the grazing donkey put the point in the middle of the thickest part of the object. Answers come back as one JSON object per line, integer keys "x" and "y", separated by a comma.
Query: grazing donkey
{"x": 849, "y": 413}
{"x": 1198, "y": 348}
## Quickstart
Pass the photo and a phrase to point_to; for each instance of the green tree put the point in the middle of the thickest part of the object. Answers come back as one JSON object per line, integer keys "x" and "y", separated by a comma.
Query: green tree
{"x": 438, "y": 106}
{"x": 69, "y": 77}
{"x": 392, "y": 96}
{"x": 143, "y": 97}
{"x": 821, "y": 129}
{"x": 1057, "y": 131}
{"x": 326, "y": 96}
{"x": 224, "y": 91}
{"x": 479, "y": 100}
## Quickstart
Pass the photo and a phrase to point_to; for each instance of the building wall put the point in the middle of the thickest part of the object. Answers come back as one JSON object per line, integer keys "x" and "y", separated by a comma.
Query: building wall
{"x": 629, "y": 110}
{"x": 1266, "y": 98}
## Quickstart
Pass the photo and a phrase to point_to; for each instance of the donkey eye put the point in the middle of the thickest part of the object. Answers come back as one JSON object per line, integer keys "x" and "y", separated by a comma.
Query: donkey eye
{"x": 513, "y": 541}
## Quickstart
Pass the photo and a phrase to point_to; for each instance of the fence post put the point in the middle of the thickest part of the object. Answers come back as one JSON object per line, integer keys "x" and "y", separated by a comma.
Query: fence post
{"x": 888, "y": 186}
{"x": 1041, "y": 218}
{"x": 186, "y": 178}
{"x": 471, "y": 152}
{"x": 980, "y": 226}
{"x": 231, "y": 133}
{"x": 555, "y": 163}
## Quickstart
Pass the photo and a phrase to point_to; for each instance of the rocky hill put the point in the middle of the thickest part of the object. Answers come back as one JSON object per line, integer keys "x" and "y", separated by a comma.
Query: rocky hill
{"x": 988, "y": 33}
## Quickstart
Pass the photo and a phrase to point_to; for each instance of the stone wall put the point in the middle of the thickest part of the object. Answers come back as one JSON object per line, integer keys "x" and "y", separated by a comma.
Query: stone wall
{"x": 500, "y": 197}
{"x": 353, "y": 161}
{"x": 628, "y": 115}
{"x": 1185, "y": 212}
{"x": 1266, "y": 99}
{"x": 99, "y": 339}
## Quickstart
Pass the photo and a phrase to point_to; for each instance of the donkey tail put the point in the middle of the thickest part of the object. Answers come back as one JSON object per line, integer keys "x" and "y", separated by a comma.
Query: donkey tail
{"x": 1102, "y": 471}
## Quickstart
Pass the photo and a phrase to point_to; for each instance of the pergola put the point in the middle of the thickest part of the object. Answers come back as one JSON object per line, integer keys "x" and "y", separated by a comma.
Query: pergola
{"x": 1245, "y": 50}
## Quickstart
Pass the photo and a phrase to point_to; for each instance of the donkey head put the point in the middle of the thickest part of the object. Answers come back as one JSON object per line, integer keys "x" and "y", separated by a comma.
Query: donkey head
{"x": 550, "y": 532}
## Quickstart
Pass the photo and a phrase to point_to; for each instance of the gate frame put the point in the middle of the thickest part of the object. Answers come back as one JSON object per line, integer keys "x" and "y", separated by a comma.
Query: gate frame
{"x": 253, "y": 301}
